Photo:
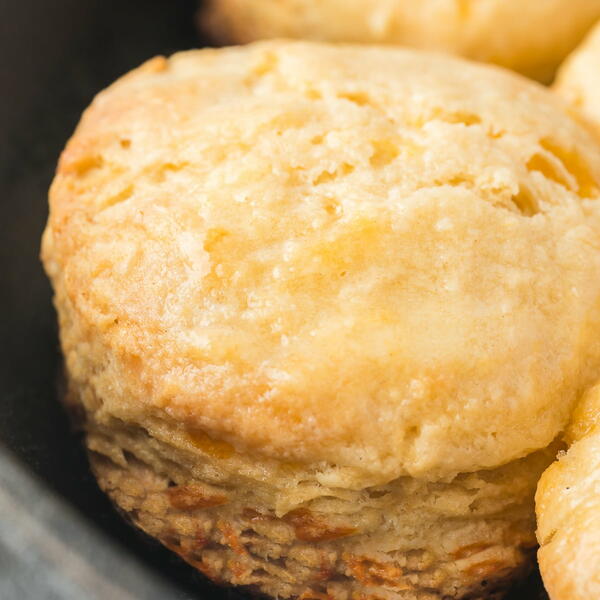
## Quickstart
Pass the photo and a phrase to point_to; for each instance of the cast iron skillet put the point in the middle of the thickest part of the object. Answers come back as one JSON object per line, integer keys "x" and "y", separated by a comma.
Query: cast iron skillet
{"x": 59, "y": 536}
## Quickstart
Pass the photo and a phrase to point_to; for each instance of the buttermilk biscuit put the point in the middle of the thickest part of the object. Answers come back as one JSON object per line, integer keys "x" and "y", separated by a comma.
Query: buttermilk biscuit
{"x": 578, "y": 80}
{"x": 568, "y": 510}
{"x": 530, "y": 36}
{"x": 325, "y": 309}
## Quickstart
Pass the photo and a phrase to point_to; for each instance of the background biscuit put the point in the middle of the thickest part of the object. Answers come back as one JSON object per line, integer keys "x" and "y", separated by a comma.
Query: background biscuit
{"x": 525, "y": 35}
{"x": 568, "y": 510}
{"x": 578, "y": 80}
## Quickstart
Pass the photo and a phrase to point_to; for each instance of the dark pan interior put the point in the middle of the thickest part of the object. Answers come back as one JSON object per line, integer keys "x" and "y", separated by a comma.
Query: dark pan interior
{"x": 55, "y": 56}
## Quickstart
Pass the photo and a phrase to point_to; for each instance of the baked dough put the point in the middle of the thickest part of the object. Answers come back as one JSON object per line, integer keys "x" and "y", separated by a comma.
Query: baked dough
{"x": 331, "y": 305}
{"x": 530, "y": 36}
{"x": 578, "y": 79}
{"x": 568, "y": 510}
{"x": 568, "y": 496}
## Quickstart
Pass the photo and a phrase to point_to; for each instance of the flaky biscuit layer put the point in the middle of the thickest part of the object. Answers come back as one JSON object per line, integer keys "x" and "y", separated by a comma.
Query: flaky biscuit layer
{"x": 290, "y": 537}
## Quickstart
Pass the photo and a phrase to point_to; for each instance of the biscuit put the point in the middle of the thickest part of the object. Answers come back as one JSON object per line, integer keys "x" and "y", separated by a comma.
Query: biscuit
{"x": 326, "y": 308}
{"x": 568, "y": 496}
{"x": 528, "y": 36}
{"x": 578, "y": 80}
{"x": 568, "y": 510}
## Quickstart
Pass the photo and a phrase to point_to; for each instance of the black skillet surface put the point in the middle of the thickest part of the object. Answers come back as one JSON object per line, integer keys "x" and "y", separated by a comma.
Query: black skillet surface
{"x": 59, "y": 536}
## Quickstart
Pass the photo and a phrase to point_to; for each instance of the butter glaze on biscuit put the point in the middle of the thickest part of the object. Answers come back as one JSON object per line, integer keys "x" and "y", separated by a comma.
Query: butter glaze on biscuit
{"x": 358, "y": 283}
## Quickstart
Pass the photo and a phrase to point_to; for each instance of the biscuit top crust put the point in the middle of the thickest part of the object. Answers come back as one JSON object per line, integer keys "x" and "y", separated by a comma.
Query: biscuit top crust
{"x": 370, "y": 257}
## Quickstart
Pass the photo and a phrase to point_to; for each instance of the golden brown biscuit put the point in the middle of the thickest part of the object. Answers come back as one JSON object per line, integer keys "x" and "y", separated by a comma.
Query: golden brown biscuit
{"x": 568, "y": 510}
{"x": 578, "y": 80}
{"x": 530, "y": 36}
{"x": 326, "y": 309}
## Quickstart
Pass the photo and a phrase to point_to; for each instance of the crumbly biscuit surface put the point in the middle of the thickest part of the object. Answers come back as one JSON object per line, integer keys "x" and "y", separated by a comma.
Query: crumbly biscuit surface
{"x": 530, "y": 36}
{"x": 374, "y": 258}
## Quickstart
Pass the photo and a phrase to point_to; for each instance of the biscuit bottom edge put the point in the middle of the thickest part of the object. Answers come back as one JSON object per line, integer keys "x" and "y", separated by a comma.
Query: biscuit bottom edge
{"x": 233, "y": 536}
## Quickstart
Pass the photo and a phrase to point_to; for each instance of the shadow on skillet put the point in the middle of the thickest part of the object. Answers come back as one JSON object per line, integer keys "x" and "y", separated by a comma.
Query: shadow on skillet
{"x": 59, "y": 536}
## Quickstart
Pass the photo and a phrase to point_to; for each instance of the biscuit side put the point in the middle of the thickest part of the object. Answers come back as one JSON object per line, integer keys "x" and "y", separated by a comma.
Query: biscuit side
{"x": 406, "y": 540}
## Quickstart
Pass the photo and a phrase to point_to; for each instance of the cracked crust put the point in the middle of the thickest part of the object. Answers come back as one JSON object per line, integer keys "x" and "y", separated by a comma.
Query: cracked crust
{"x": 529, "y": 36}
{"x": 568, "y": 510}
{"x": 408, "y": 540}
